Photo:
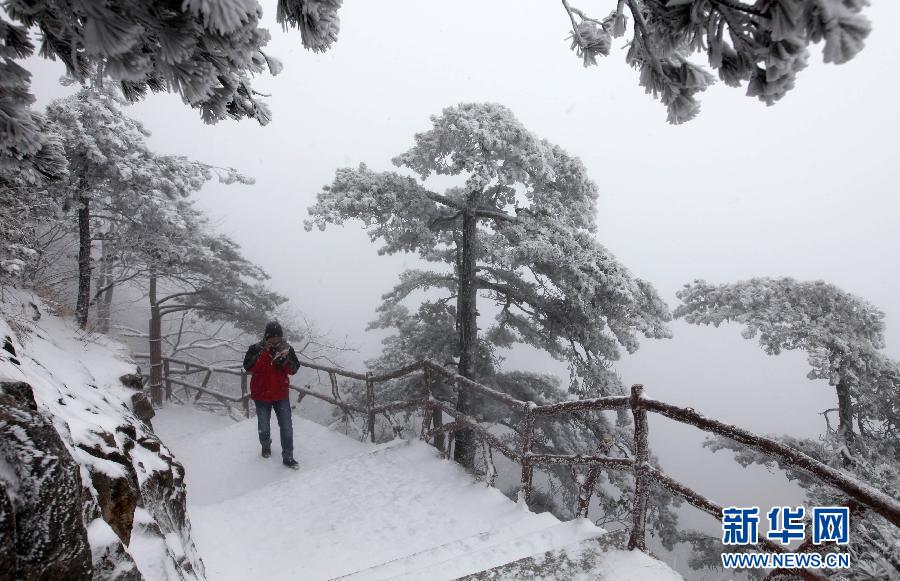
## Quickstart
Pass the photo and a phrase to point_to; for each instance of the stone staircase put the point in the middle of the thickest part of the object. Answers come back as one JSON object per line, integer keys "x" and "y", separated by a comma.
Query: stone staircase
{"x": 361, "y": 512}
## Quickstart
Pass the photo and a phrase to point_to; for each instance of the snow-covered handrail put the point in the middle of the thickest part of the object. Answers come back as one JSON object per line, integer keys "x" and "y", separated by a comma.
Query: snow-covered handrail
{"x": 474, "y": 386}
{"x": 581, "y": 405}
{"x": 860, "y": 494}
{"x": 878, "y": 501}
{"x": 335, "y": 370}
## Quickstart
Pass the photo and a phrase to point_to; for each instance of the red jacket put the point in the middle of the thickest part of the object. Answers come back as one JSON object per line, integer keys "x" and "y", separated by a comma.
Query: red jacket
{"x": 269, "y": 382}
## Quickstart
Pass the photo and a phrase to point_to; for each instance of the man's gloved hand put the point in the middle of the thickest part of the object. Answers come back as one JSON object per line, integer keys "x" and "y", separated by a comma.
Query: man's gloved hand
{"x": 280, "y": 354}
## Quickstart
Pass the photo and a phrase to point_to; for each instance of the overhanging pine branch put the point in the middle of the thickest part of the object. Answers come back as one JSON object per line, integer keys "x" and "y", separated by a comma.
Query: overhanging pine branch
{"x": 176, "y": 295}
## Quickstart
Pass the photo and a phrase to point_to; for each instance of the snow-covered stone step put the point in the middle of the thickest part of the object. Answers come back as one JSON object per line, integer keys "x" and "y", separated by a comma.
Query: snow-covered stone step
{"x": 507, "y": 548}
{"x": 453, "y": 549}
{"x": 584, "y": 561}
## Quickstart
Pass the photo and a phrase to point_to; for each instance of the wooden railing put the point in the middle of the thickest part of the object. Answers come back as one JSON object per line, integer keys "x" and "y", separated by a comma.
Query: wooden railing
{"x": 861, "y": 496}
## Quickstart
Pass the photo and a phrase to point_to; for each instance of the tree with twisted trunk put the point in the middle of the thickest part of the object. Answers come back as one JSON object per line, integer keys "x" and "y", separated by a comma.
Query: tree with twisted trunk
{"x": 518, "y": 231}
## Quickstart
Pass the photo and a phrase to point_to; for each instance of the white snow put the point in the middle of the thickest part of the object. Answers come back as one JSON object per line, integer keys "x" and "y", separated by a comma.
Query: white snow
{"x": 353, "y": 511}
{"x": 630, "y": 566}
{"x": 151, "y": 554}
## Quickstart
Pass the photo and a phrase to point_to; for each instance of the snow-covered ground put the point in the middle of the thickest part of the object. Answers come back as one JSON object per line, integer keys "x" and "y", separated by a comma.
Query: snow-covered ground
{"x": 392, "y": 511}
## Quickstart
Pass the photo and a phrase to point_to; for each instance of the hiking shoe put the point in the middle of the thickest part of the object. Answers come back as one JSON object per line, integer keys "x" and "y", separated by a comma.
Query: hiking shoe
{"x": 291, "y": 463}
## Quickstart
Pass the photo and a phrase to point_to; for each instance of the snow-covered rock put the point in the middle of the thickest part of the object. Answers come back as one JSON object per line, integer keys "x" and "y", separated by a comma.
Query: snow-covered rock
{"x": 111, "y": 485}
{"x": 41, "y": 531}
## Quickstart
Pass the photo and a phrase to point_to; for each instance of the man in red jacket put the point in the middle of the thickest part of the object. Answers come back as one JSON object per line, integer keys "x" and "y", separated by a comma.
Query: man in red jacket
{"x": 270, "y": 362}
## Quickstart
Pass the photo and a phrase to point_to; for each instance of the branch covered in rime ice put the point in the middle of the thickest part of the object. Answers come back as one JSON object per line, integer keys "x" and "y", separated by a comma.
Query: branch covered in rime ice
{"x": 763, "y": 44}
{"x": 208, "y": 52}
{"x": 205, "y": 51}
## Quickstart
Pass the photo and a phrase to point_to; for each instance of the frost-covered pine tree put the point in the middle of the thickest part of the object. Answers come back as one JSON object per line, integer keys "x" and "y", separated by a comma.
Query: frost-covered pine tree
{"x": 103, "y": 149}
{"x": 113, "y": 173}
{"x": 517, "y": 231}
{"x": 206, "y": 51}
{"x": 764, "y": 43}
{"x": 840, "y": 333}
{"x": 842, "y": 336}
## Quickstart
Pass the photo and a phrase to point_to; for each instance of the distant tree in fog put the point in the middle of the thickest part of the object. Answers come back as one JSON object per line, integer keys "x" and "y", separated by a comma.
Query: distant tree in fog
{"x": 843, "y": 337}
{"x": 114, "y": 180}
{"x": 841, "y": 334}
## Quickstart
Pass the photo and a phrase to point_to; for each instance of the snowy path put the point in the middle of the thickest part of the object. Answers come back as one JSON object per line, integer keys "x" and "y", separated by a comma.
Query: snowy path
{"x": 357, "y": 511}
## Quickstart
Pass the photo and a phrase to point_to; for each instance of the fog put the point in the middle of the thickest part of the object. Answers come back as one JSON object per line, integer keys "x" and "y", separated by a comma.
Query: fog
{"x": 807, "y": 188}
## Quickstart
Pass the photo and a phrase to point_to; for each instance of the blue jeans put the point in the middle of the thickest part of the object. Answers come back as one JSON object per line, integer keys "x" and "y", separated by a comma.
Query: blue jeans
{"x": 286, "y": 430}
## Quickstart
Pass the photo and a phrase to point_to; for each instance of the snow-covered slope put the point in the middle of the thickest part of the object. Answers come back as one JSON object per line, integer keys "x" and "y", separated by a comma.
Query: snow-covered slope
{"x": 353, "y": 511}
{"x": 131, "y": 497}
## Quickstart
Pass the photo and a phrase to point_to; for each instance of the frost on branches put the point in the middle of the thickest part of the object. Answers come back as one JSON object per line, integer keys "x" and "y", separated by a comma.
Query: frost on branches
{"x": 206, "y": 51}
{"x": 112, "y": 174}
{"x": 763, "y": 43}
{"x": 31, "y": 154}
{"x": 843, "y": 336}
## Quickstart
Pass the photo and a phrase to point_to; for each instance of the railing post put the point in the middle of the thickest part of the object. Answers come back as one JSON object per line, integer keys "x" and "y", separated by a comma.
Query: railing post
{"x": 433, "y": 415}
{"x": 166, "y": 379}
{"x": 451, "y": 437}
{"x": 244, "y": 396}
{"x": 429, "y": 410}
{"x": 637, "y": 540}
{"x": 527, "y": 468}
{"x": 437, "y": 420}
{"x": 370, "y": 405}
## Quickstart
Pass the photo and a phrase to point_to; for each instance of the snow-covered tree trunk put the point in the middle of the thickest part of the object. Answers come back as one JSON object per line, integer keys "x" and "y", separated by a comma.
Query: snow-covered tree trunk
{"x": 464, "y": 449}
{"x": 105, "y": 288}
{"x": 845, "y": 410}
{"x": 84, "y": 260}
{"x": 106, "y": 305}
{"x": 155, "y": 341}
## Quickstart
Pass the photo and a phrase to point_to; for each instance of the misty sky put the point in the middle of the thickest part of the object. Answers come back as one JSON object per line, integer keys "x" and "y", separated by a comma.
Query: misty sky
{"x": 807, "y": 188}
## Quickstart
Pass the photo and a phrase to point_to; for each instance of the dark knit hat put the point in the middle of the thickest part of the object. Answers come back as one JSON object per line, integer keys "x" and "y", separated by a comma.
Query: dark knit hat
{"x": 273, "y": 329}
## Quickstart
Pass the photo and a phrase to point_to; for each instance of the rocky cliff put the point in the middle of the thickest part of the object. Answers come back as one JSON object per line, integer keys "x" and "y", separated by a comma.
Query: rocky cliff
{"x": 87, "y": 490}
